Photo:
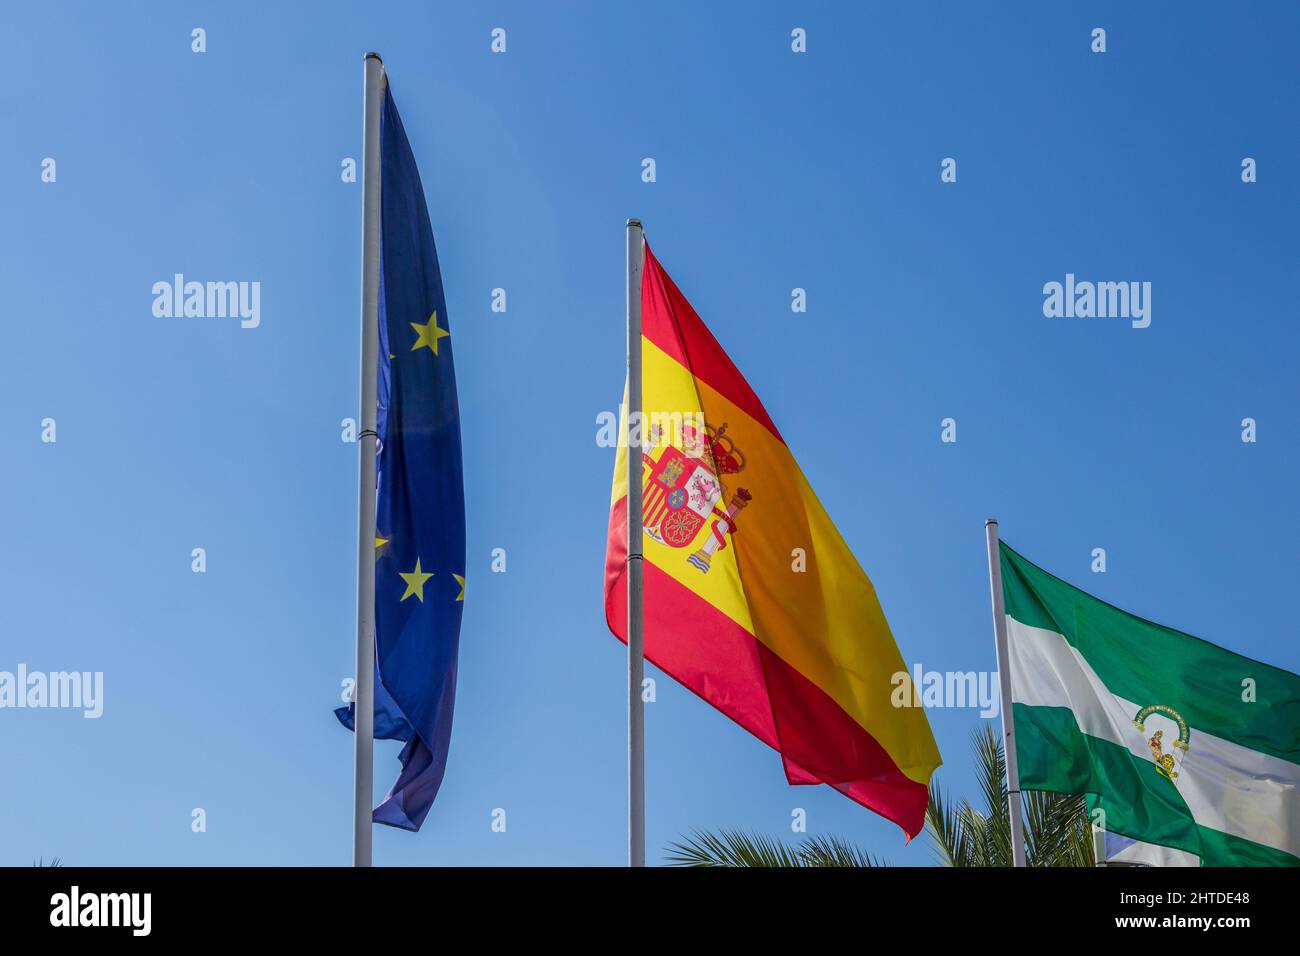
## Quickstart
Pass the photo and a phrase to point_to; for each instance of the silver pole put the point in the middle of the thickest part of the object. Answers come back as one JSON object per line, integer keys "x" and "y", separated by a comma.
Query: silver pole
{"x": 364, "y": 714}
{"x": 1004, "y": 687}
{"x": 635, "y": 639}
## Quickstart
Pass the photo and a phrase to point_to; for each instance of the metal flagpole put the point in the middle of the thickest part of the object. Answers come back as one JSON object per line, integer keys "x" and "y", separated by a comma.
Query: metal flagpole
{"x": 1004, "y": 688}
{"x": 1098, "y": 846}
{"x": 364, "y": 696}
{"x": 635, "y": 639}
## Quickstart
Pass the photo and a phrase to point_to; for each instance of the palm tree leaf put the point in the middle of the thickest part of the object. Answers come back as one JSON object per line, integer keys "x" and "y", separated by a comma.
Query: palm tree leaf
{"x": 832, "y": 851}
{"x": 991, "y": 773}
{"x": 945, "y": 827}
{"x": 732, "y": 848}
{"x": 1058, "y": 831}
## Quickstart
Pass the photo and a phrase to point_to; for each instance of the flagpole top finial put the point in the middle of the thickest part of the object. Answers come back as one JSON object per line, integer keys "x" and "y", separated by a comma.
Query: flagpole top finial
{"x": 989, "y": 521}
{"x": 633, "y": 222}
{"x": 375, "y": 55}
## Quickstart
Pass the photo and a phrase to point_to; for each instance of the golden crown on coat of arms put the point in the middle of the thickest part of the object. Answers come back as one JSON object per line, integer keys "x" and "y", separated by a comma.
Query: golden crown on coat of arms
{"x": 722, "y": 452}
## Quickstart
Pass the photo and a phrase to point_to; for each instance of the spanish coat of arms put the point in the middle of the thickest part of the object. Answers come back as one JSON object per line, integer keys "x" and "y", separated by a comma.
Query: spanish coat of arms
{"x": 683, "y": 489}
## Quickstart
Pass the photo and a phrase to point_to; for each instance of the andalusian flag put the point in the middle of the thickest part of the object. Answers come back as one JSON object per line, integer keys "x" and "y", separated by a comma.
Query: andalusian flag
{"x": 752, "y": 598}
{"x": 1183, "y": 744}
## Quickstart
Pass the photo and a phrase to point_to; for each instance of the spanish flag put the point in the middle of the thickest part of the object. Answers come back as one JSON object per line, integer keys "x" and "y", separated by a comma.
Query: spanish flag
{"x": 752, "y": 599}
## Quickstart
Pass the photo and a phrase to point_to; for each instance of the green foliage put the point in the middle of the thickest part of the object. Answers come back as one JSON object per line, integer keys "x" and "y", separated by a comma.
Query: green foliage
{"x": 1057, "y": 830}
{"x": 735, "y": 848}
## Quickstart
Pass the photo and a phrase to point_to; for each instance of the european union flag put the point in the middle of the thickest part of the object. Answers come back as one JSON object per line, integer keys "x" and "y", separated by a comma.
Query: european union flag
{"x": 420, "y": 514}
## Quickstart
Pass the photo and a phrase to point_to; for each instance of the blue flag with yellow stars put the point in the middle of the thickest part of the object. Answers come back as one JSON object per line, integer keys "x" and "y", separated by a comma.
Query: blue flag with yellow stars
{"x": 420, "y": 515}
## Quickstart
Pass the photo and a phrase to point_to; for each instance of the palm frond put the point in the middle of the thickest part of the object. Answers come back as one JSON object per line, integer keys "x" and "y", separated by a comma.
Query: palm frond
{"x": 832, "y": 851}
{"x": 948, "y": 834}
{"x": 991, "y": 774}
{"x": 1058, "y": 831}
{"x": 732, "y": 848}
{"x": 735, "y": 848}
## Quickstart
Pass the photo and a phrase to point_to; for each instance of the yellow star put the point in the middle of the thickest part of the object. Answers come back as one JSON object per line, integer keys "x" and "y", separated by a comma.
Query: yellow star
{"x": 429, "y": 333}
{"x": 461, "y": 582}
{"x": 380, "y": 541}
{"x": 415, "y": 582}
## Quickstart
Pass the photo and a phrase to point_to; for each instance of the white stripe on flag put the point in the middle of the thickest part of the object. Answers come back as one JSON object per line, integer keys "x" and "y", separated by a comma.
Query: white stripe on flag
{"x": 1120, "y": 849}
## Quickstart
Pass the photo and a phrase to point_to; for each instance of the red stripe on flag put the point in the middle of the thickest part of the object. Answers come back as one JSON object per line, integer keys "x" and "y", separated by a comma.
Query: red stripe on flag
{"x": 718, "y": 660}
{"x": 670, "y": 322}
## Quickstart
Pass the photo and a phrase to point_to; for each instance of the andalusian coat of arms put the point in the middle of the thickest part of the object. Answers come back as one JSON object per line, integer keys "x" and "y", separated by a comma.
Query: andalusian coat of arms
{"x": 683, "y": 491}
{"x": 1168, "y": 762}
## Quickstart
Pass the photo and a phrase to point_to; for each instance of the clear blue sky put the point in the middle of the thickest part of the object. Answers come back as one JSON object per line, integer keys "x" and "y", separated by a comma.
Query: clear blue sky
{"x": 775, "y": 170}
